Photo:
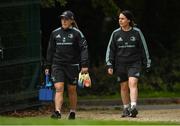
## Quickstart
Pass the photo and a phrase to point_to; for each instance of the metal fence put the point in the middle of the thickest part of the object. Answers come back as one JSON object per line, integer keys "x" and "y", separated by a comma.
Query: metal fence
{"x": 20, "y": 54}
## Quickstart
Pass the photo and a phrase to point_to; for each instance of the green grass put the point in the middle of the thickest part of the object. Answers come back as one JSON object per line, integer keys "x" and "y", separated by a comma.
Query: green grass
{"x": 142, "y": 94}
{"x": 48, "y": 121}
{"x": 158, "y": 94}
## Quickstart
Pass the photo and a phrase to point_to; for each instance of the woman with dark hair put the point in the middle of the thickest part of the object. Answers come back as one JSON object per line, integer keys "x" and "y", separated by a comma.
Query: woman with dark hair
{"x": 126, "y": 53}
{"x": 67, "y": 52}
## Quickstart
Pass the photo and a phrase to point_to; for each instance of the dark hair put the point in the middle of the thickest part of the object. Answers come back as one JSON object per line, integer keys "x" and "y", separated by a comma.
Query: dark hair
{"x": 129, "y": 16}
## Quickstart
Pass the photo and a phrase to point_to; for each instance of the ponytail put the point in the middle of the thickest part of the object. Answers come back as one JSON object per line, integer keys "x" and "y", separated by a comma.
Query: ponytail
{"x": 132, "y": 23}
{"x": 74, "y": 24}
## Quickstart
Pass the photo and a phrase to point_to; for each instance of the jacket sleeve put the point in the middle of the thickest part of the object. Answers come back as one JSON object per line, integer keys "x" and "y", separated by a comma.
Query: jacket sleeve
{"x": 50, "y": 51}
{"x": 84, "y": 60}
{"x": 144, "y": 51}
{"x": 110, "y": 53}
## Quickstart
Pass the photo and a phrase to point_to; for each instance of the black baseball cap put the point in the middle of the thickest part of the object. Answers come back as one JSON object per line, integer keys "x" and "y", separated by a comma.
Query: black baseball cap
{"x": 67, "y": 14}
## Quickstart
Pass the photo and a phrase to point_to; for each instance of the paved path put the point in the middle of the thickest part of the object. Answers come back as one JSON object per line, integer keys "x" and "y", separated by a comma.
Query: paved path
{"x": 164, "y": 110}
{"x": 167, "y": 115}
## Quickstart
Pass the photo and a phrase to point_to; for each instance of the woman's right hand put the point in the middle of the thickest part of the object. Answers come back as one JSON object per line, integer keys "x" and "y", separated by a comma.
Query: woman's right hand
{"x": 46, "y": 71}
{"x": 110, "y": 71}
{"x": 84, "y": 70}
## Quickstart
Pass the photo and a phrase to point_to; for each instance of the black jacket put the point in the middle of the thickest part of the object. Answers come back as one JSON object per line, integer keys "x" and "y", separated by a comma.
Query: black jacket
{"x": 67, "y": 47}
{"x": 127, "y": 47}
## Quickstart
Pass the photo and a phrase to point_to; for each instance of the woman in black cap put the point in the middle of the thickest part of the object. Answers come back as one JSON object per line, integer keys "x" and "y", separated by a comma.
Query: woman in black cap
{"x": 67, "y": 54}
{"x": 126, "y": 52}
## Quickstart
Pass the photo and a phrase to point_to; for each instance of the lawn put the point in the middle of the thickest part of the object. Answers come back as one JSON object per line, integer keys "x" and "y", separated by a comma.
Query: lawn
{"x": 49, "y": 121}
{"x": 142, "y": 94}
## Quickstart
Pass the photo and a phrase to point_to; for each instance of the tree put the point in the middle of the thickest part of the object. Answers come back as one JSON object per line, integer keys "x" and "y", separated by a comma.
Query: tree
{"x": 109, "y": 7}
{"x": 50, "y": 3}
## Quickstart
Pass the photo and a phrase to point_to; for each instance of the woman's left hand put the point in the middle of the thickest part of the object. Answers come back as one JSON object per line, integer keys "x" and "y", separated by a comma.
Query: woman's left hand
{"x": 84, "y": 70}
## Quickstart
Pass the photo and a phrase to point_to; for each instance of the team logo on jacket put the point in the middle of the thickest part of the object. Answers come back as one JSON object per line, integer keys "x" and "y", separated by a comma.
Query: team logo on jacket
{"x": 118, "y": 79}
{"x": 70, "y": 35}
{"x": 132, "y": 38}
{"x": 119, "y": 39}
{"x": 58, "y": 36}
{"x": 137, "y": 74}
{"x": 64, "y": 39}
{"x": 53, "y": 78}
